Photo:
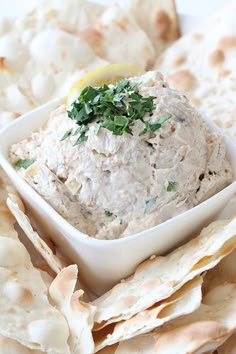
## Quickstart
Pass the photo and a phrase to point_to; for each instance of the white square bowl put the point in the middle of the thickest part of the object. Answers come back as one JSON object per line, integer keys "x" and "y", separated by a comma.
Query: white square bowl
{"x": 102, "y": 263}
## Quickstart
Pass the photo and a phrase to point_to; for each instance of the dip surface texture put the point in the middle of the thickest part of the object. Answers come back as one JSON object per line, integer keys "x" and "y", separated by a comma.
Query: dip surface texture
{"x": 113, "y": 186}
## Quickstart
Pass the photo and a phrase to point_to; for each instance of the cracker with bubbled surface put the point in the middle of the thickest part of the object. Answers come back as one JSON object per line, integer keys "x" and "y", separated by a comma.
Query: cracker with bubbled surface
{"x": 210, "y": 327}
{"x": 162, "y": 276}
{"x": 26, "y": 314}
{"x": 183, "y": 301}
{"x": 203, "y": 64}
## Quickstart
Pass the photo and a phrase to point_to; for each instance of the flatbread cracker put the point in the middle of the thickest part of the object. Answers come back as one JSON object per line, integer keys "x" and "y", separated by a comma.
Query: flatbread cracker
{"x": 37, "y": 75}
{"x": 54, "y": 262}
{"x": 162, "y": 276}
{"x": 26, "y": 317}
{"x": 203, "y": 65}
{"x": 26, "y": 314}
{"x": 116, "y": 29}
{"x": 203, "y": 330}
{"x": 158, "y": 19}
{"x": 182, "y": 302}
{"x": 223, "y": 273}
{"x": 79, "y": 314}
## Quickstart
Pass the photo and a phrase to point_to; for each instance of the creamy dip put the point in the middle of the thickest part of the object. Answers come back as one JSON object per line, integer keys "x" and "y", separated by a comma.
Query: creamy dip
{"x": 113, "y": 186}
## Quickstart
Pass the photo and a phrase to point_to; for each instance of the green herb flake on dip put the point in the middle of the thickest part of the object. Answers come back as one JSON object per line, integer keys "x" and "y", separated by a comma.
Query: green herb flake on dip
{"x": 24, "y": 163}
{"x": 171, "y": 186}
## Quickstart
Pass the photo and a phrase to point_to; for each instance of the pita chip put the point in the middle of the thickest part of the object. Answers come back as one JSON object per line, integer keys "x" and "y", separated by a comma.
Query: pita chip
{"x": 160, "y": 277}
{"x": 210, "y": 81}
{"x": 202, "y": 331}
{"x": 116, "y": 29}
{"x": 36, "y": 75}
{"x": 27, "y": 320}
{"x": 158, "y": 19}
{"x": 17, "y": 209}
{"x": 78, "y": 314}
{"x": 26, "y": 314}
{"x": 182, "y": 302}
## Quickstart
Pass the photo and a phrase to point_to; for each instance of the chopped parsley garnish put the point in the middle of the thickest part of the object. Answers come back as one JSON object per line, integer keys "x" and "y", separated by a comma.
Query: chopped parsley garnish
{"x": 67, "y": 133}
{"x": 171, "y": 187}
{"x": 114, "y": 108}
{"x": 24, "y": 163}
{"x": 108, "y": 212}
{"x": 81, "y": 139}
{"x": 152, "y": 127}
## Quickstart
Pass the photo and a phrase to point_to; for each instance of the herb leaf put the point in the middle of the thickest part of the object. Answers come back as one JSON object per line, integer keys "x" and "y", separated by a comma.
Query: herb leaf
{"x": 67, "y": 133}
{"x": 81, "y": 139}
{"x": 97, "y": 128}
{"x": 121, "y": 121}
{"x": 24, "y": 163}
{"x": 152, "y": 127}
{"x": 164, "y": 118}
{"x": 108, "y": 212}
{"x": 171, "y": 187}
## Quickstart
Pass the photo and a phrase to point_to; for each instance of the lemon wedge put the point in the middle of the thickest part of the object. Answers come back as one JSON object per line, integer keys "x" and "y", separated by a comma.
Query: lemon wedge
{"x": 108, "y": 74}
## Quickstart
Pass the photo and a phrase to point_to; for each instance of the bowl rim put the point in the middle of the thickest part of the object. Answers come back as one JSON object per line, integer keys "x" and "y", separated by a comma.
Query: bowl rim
{"x": 63, "y": 223}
